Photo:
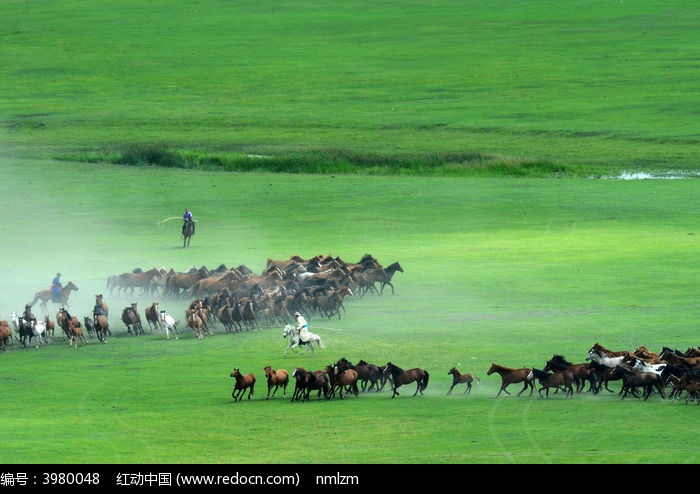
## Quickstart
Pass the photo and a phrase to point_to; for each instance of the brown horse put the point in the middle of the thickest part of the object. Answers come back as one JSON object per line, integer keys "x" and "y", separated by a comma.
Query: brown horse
{"x": 102, "y": 328}
{"x": 50, "y": 325}
{"x": 276, "y": 379}
{"x": 556, "y": 380}
{"x": 459, "y": 378}
{"x": 4, "y": 323}
{"x": 399, "y": 377}
{"x": 582, "y": 372}
{"x": 101, "y": 306}
{"x": 46, "y": 296}
{"x": 153, "y": 317}
{"x": 243, "y": 383}
{"x": 76, "y": 333}
{"x": 72, "y": 329}
{"x": 650, "y": 381}
{"x": 306, "y": 382}
{"x": 132, "y": 319}
{"x": 512, "y": 376}
{"x": 194, "y": 322}
{"x": 368, "y": 375}
{"x": 5, "y": 334}
{"x": 342, "y": 380}
{"x": 63, "y": 322}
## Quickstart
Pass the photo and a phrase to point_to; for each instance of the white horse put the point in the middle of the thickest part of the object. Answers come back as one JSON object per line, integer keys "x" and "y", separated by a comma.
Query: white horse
{"x": 39, "y": 329}
{"x": 169, "y": 324}
{"x": 642, "y": 366}
{"x": 295, "y": 341}
{"x": 604, "y": 359}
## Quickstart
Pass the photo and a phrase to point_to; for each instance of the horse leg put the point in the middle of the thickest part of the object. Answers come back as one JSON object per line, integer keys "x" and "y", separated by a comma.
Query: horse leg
{"x": 526, "y": 385}
{"x": 449, "y": 391}
{"x": 469, "y": 389}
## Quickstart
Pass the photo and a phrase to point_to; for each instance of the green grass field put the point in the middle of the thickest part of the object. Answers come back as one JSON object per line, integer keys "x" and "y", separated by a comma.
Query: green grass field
{"x": 598, "y": 87}
{"x": 498, "y": 267}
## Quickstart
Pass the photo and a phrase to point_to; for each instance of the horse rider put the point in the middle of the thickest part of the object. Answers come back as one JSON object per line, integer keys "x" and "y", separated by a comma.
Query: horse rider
{"x": 28, "y": 315}
{"x": 187, "y": 218}
{"x": 56, "y": 287}
{"x": 302, "y": 327}
{"x": 98, "y": 311}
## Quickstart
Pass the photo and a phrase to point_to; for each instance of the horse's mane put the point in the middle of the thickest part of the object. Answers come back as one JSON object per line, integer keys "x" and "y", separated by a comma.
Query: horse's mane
{"x": 559, "y": 359}
{"x": 395, "y": 369}
{"x": 502, "y": 367}
{"x": 539, "y": 373}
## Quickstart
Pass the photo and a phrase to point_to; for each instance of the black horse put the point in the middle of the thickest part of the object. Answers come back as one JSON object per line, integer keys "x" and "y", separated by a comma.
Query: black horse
{"x": 187, "y": 232}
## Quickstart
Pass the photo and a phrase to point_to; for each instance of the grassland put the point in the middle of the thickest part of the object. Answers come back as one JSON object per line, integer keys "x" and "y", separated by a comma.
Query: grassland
{"x": 478, "y": 85}
{"x": 511, "y": 253}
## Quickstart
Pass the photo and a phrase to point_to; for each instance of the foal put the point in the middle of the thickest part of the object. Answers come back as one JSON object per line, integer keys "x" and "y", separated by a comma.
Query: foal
{"x": 459, "y": 378}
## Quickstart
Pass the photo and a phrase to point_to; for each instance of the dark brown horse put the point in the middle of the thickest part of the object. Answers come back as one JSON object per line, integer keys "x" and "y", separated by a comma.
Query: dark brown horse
{"x": 243, "y": 383}
{"x": 368, "y": 375}
{"x": 276, "y": 379}
{"x": 399, "y": 377}
{"x": 306, "y": 382}
{"x": 132, "y": 319}
{"x": 512, "y": 376}
{"x": 561, "y": 379}
{"x": 582, "y": 372}
{"x": 649, "y": 381}
{"x": 385, "y": 280}
{"x": 459, "y": 378}
{"x": 187, "y": 233}
{"x": 46, "y": 296}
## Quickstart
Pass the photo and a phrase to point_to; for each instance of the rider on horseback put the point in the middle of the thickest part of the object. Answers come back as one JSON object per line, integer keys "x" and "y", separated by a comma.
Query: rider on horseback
{"x": 187, "y": 218}
{"x": 56, "y": 288}
{"x": 302, "y": 327}
{"x": 28, "y": 315}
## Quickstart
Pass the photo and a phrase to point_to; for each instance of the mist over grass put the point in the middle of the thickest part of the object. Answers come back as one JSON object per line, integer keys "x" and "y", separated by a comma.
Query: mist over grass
{"x": 499, "y": 270}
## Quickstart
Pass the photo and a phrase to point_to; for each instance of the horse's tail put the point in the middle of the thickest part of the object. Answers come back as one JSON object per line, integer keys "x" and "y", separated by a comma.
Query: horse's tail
{"x": 320, "y": 343}
{"x": 424, "y": 382}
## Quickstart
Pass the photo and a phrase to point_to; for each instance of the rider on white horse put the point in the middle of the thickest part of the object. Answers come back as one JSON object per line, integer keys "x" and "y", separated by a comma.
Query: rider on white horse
{"x": 302, "y": 327}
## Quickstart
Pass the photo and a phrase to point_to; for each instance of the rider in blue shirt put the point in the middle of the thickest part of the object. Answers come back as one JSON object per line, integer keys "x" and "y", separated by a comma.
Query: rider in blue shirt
{"x": 56, "y": 287}
{"x": 187, "y": 217}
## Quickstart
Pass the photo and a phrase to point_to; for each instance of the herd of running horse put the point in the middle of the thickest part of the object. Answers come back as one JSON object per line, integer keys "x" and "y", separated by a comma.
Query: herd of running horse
{"x": 642, "y": 373}
{"x": 310, "y": 285}
{"x": 670, "y": 373}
